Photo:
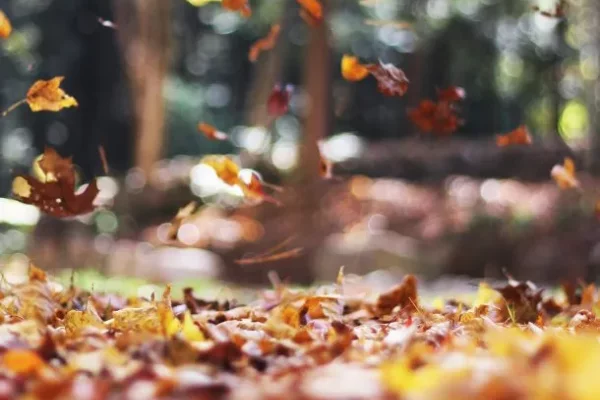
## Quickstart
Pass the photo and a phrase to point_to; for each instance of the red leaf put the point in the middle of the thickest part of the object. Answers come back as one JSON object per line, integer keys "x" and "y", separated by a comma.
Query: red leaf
{"x": 391, "y": 81}
{"x": 279, "y": 99}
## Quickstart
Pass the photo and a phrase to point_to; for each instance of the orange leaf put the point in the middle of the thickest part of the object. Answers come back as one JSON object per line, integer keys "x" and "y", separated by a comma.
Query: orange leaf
{"x": 36, "y": 274}
{"x": 255, "y": 189}
{"x": 264, "y": 44}
{"x": 564, "y": 175}
{"x": 48, "y": 96}
{"x": 352, "y": 70}
{"x": 55, "y": 195}
{"x": 438, "y": 118}
{"x": 519, "y": 136}
{"x": 5, "y": 26}
{"x": 211, "y": 132}
{"x": 238, "y": 5}
{"x": 391, "y": 81}
{"x": 403, "y": 295}
{"x": 225, "y": 168}
{"x": 22, "y": 362}
{"x": 312, "y": 11}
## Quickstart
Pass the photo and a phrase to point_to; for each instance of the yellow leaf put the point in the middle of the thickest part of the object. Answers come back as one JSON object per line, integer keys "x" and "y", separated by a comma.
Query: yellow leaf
{"x": 352, "y": 70}
{"x": 170, "y": 325}
{"x": 20, "y": 187}
{"x": 564, "y": 175}
{"x": 48, "y": 96}
{"x": 200, "y": 3}
{"x": 486, "y": 295}
{"x": 139, "y": 319}
{"x": 190, "y": 330}
{"x": 5, "y": 26}
{"x": 75, "y": 321}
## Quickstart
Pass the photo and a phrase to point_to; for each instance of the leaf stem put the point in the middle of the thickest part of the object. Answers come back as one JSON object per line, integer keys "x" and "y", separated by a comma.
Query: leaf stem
{"x": 12, "y": 107}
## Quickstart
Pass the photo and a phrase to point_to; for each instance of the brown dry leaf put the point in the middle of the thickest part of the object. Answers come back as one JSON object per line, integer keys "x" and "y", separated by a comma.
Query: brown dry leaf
{"x": 76, "y": 321}
{"x": 521, "y": 301}
{"x": 55, "y": 194}
{"x": 48, "y": 96}
{"x": 403, "y": 295}
{"x": 391, "y": 80}
{"x": 5, "y": 25}
{"x": 438, "y": 118}
{"x": 352, "y": 69}
{"x": 264, "y": 44}
{"x": 210, "y": 132}
{"x": 22, "y": 362}
{"x": 564, "y": 175}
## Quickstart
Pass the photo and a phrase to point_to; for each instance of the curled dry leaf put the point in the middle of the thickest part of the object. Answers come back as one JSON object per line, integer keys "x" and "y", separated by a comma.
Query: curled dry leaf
{"x": 5, "y": 25}
{"x": 48, "y": 96}
{"x": 352, "y": 69}
{"x": 55, "y": 194}
{"x": 519, "y": 136}
{"x": 311, "y": 11}
{"x": 211, "y": 132}
{"x": 564, "y": 175}
{"x": 403, "y": 295}
{"x": 264, "y": 44}
{"x": 391, "y": 80}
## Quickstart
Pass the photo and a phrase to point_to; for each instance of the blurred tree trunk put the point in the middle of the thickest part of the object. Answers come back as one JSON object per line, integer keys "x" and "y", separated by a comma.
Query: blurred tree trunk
{"x": 554, "y": 77}
{"x": 591, "y": 17}
{"x": 144, "y": 31}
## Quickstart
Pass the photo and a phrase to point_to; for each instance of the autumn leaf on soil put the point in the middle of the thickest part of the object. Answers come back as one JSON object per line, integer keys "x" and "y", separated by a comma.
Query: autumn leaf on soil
{"x": 403, "y": 295}
{"x": 264, "y": 44}
{"x": 521, "y": 300}
{"x": 519, "y": 136}
{"x": 46, "y": 96}
{"x": 76, "y": 321}
{"x": 391, "y": 80}
{"x": 564, "y": 175}
{"x": 438, "y": 118}
{"x": 182, "y": 214}
{"x": 56, "y": 194}
{"x": 311, "y": 11}
{"x": 5, "y": 25}
{"x": 352, "y": 69}
{"x": 451, "y": 94}
{"x": 22, "y": 362}
{"x": 279, "y": 100}
{"x": 211, "y": 132}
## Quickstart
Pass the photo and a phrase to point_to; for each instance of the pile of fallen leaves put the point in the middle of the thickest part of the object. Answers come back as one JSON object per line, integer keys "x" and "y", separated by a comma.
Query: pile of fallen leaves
{"x": 332, "y": 342}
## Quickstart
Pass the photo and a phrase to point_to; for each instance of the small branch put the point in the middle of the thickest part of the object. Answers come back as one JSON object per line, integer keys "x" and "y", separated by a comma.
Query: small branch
{"x": 11, "y": 108}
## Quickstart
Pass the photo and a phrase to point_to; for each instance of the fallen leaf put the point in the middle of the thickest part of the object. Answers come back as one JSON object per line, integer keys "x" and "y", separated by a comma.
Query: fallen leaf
{"x": 403, "y": 295}
{"x": 190, "y": 330}
{"x": 5, "y": 25}
{"x": 264, "y": 44}
{"x": 564, "y": 175}
{"x": 22, "y": 362}
{"x": 519, "y": 136}
{"x": 352, "y": 69}
{"x": 391, "y": 81}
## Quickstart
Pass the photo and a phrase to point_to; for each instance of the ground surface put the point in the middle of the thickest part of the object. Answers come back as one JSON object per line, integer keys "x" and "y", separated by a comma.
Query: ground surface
{"x": 339, "y": 341}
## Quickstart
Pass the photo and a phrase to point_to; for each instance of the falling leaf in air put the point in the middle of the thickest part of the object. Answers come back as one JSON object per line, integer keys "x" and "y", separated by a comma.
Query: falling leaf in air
{"x": 451, "y": 94}
{"x": 325, "y": 168}
{"x": 279, "y": 100}
{"x": 311, "y": 11}
{"x": 182, "y": 215}
{"x": 5, "y": 25}
{"x": 352, "y": 69}
{"x": 437, "y": 118}
{"x": 225, "y": 168}
{"x": 254, "y": 189}
{"x": 238, "y": 5}
{"x": 211, "y": 132}
{"x": 519, "y": 136}
{"x": 56, "y": 193}
{"x": 264, "y": 44}
{"x": 564, "y": 175}
{"x": 48, "y": 96}
{"x": 391, "y": 80}
{"x": 560, "y": 10}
